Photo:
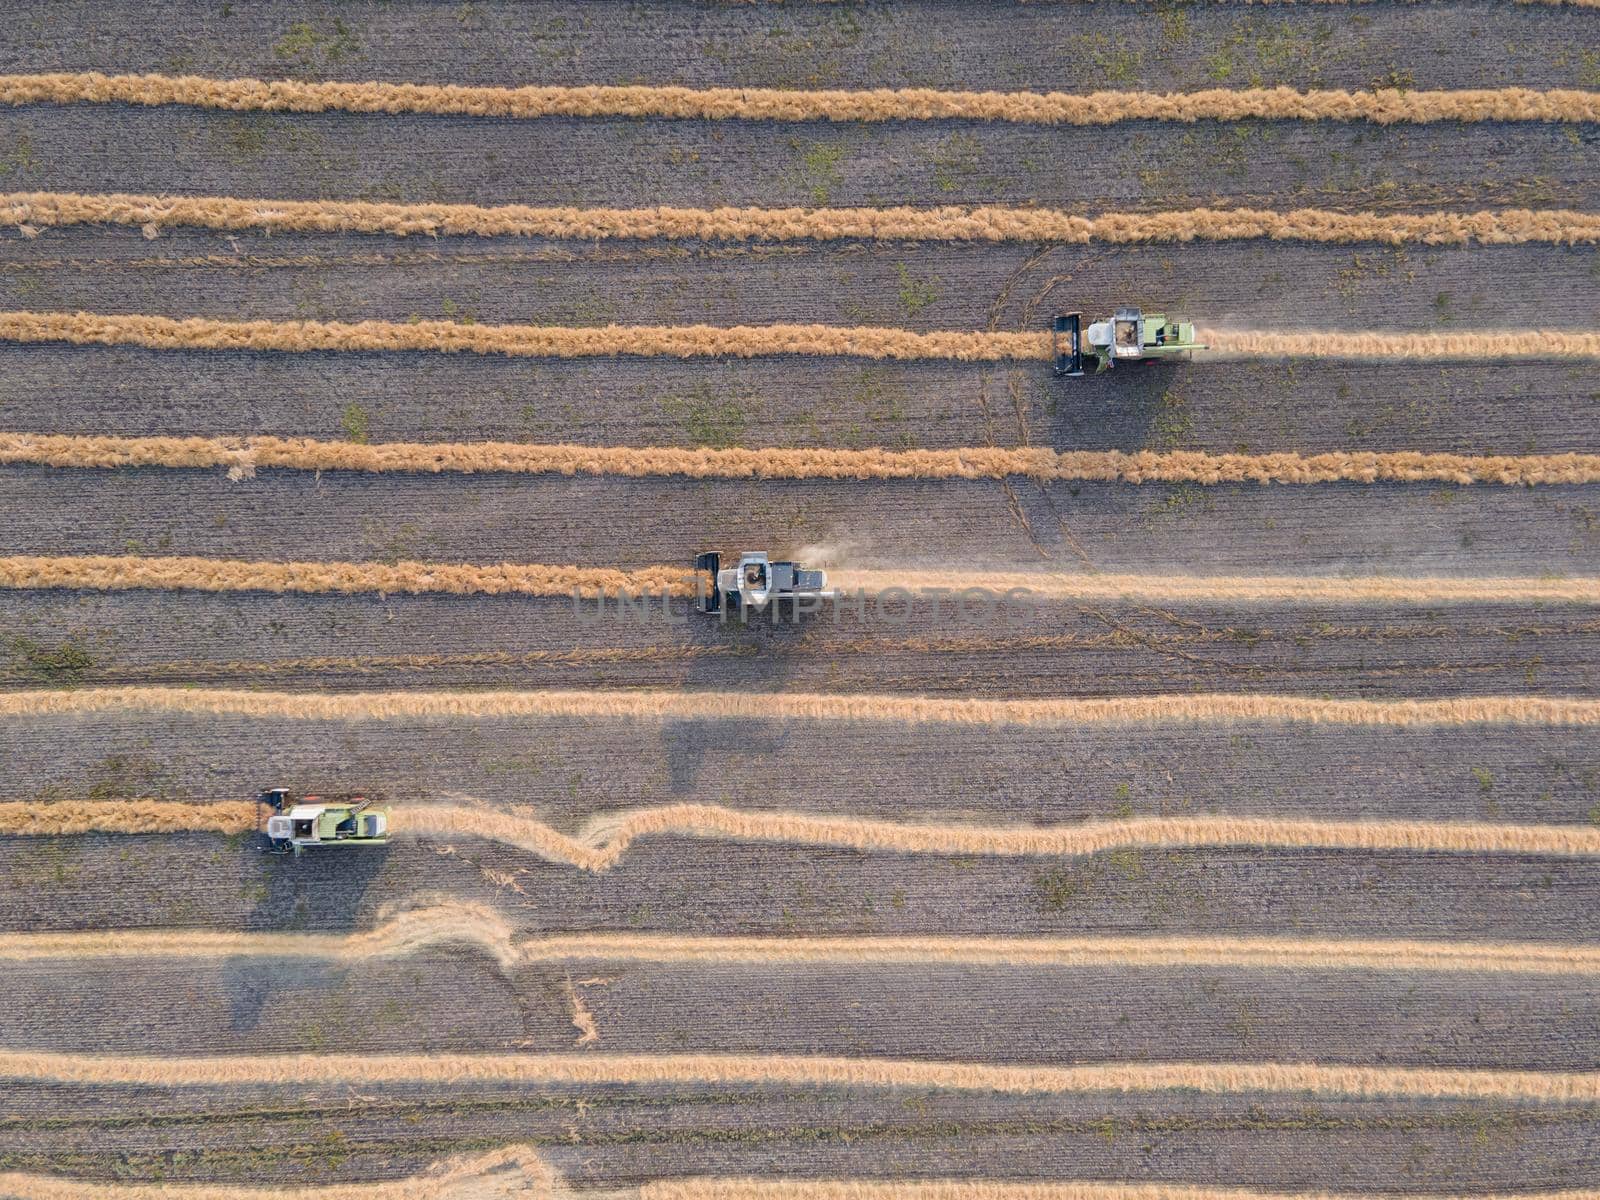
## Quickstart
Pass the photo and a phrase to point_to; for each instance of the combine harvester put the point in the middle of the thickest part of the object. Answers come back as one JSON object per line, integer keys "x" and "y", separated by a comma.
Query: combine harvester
{"x": 756, "y": 584}
{"x": 315, "y": 822}
{"x": 1128, "y": 336}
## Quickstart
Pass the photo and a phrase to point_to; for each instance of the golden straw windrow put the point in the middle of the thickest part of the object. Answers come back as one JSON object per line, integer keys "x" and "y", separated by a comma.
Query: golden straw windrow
{"x": 115, "y": 573}
{"x": 693, "y": 1188}
{"x": 662, "y": 706}
{"x": 1385, "y": 106}
{"x": 31, "y": 211}
{"x": 511, "y": 1171}
{"x": 247, "y": 454}
{"x": 519, "y": 1171}
{"x": 171, "y": 573}
{"x": 740, "y": 341}
{"x": 416, "y": 930}
{"x": 550, "y": 341}
{"x": 322, "y": 1068}
{"x": 607, "y": 839}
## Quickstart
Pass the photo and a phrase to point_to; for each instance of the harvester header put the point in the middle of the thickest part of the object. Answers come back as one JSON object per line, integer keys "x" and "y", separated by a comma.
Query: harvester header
{"x": 1128, "y": 335}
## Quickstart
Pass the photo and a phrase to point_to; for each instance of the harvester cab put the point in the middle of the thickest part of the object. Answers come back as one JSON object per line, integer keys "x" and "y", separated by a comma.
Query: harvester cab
{"x": 1128, "y": 335}
{"x": 756, "y": 584}
{"x": 318, "y": 822}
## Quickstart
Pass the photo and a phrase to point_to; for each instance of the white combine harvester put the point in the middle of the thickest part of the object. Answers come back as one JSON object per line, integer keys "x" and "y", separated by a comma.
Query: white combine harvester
{"x": 757, "y": 583}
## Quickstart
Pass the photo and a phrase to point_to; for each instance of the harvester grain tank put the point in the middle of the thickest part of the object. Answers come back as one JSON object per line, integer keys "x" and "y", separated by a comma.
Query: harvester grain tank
{"x": 1127, "y": 336}
{"x": 315, "y": 822}
{"x": 757, "y": 583}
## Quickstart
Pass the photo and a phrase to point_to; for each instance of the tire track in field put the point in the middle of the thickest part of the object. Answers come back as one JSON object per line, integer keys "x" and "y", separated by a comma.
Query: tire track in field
{"x": 1553, "y": 1087}
{"x": 460, "y": 923}
{"x": 32, "y": 211}
{"x": 164, "y": 573}
{"x": 1384, "y": 106}
{"x": 605, "y": 839}
{"x": 244, "y": 455}
{"x": 741, "y": 341}
{"x": 664, "y": 706}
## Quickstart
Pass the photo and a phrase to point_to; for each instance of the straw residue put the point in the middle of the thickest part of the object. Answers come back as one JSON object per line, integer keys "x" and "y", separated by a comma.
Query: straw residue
{"x": 1558, "y": 1087}
{"x": 37, "y": 210}
{"x": 973, "y": 462}
{"x": 464, "y": 923}
{"x": 1237, "y": 589}
{"x": 659, "y": 706}
{"x": 605, "y": 841}
{"x": 1463, "y": 347}
{"x": 449, "y": 337}
{"x": 1385, "y": 106}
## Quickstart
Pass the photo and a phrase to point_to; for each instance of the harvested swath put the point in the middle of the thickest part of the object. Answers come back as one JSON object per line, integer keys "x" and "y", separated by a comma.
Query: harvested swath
{"x": 1465, "y": 347}
{"x": 1506, "y": 227}
{"x": 737, "y": 341}
{"x": 1385, "y": 106}
{"x": 511, "y": 1171}
{"x": 659, "y": 706}
{"x": 674, "y": 341}
{"x": 604, "y": 842}
{"x": 1558, "y": 1087}
{"x": 243, "y": 456}
{"x": 115, "y": 573}
{"x": 1263, "y": 589}
{"x": 994, "y": 1189}
{"x": 416, "y": 930}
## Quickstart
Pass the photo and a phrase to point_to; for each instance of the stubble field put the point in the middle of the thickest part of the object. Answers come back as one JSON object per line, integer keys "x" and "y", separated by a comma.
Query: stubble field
{"x": 1261, "y": 852}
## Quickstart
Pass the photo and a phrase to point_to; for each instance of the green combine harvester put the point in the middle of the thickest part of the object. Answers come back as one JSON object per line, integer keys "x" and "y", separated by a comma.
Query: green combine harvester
{"x": 1129, "y": 336}
{"x": 316, "y": 822}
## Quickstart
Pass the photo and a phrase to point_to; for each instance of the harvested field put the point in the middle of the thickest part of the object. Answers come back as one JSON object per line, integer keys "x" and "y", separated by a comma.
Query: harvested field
{"x": 1193, "y": 794}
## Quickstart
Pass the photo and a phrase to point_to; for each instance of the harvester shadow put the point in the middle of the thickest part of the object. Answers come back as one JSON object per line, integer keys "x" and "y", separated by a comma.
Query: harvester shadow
{"x": 320, "y": 890}
{"x": 764, "y": 653}
{"x": 1122, "y": 409}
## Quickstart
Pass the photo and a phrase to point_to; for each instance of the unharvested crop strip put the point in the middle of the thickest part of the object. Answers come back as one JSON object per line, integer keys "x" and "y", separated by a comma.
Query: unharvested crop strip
{"x": 738, "y": 341}
{"x": 519, "y": 1171}
{"x": 245, "y": 455}
{"x": 511, "y": 1171}
{"x": 168, "y": 573}
{"x": 1560, "y": 1087}
{"x": 36, "y": 210}
{"x": 115, "y": 573}
{"x": 661, "y": 706}
{"x": 416, "y": 930}
{"x": 550, "y": 341}
{"x": 1385, "y": 106}
{"x": 604, "y": 841}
